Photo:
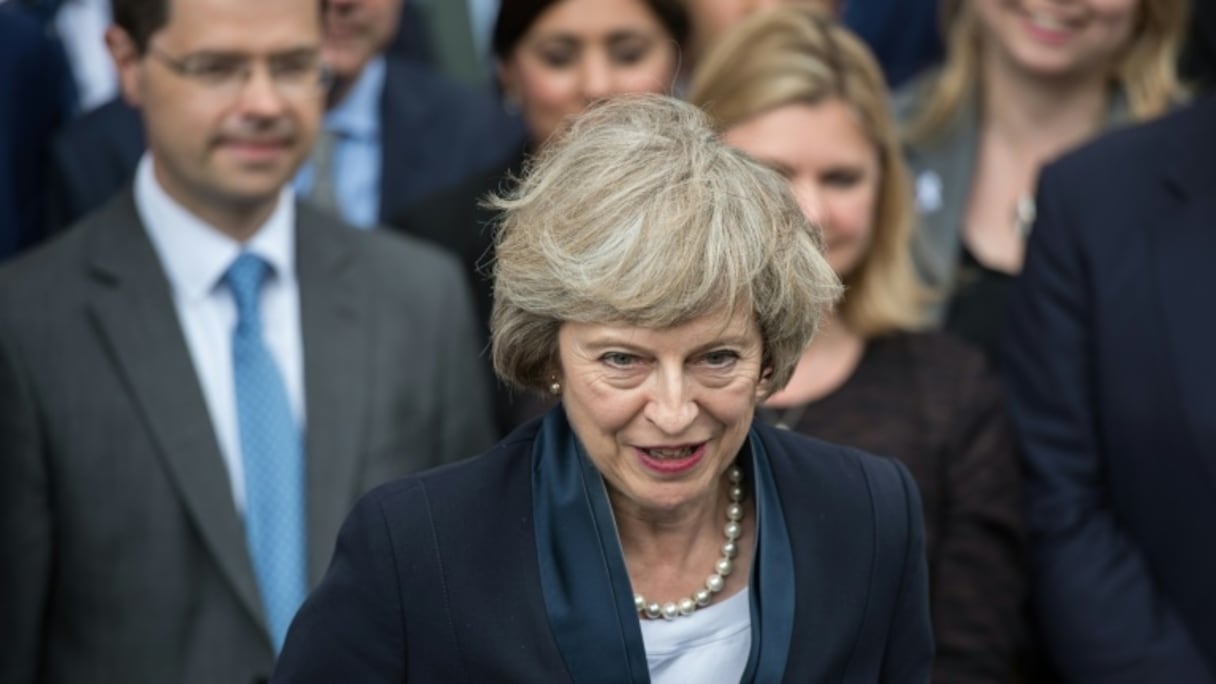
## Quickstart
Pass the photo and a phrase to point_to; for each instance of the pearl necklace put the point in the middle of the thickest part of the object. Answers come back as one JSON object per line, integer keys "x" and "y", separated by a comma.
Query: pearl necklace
{"x": 717, "y": 579}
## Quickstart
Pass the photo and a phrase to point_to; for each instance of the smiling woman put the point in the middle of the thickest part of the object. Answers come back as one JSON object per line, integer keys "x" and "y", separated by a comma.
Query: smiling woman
{"x": 1024, "y": 82}
{"x": 556, "y": 57}
{"x": 646, "y": 529}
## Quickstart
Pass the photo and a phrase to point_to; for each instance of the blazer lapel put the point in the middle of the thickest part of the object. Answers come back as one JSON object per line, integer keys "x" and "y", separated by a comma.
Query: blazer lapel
{"x": 135, "y": 314}
{"x": 1184, "y": 243}
{"x": 945, "y": 170}
{"x": 336, "y": 340}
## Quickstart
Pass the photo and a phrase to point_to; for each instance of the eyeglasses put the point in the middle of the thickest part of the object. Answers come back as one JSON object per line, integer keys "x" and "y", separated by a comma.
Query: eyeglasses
{"x": 294, "y": 74}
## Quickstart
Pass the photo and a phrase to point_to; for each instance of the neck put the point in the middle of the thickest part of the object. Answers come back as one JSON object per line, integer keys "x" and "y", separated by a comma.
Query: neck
{"x": 825, "y": 365}
{"x": 650, "y": 534}
{"x": 338, "y": 90}
{"x": 834, "y": 334}
{"x": 670, "y": 537}
{"x": 239, "y": 220}
{"x": 669, "y": 555}
{"x": 1038, "y": 115}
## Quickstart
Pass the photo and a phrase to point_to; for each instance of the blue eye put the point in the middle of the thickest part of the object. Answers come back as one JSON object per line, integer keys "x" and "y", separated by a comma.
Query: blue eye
{"x": 720, "y": 358}
{"x": 618, "y": 359}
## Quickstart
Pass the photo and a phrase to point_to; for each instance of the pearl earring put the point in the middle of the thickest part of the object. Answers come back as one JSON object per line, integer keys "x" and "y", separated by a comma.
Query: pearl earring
{"x": 555, "y": 387}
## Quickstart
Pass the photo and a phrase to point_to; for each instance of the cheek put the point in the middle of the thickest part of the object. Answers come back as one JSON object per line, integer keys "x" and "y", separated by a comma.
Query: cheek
{"x": 600, "y": 407}
{"x": 655, "y": 76}
{"x": 851, "y": 215}
{"x": 548, "y": 93}
{"x": 734, "y": 406}
{"x": 1117, "y": 22}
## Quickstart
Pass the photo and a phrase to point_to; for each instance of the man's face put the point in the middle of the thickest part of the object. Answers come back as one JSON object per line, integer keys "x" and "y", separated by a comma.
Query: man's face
{"x": 358, "y": 30}
{"x": 232, "y": 96}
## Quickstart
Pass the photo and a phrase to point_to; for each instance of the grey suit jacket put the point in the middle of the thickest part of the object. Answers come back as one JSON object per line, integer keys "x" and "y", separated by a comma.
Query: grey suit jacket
{"x": 124, "y": 558}
{"x": 943, "y": 170}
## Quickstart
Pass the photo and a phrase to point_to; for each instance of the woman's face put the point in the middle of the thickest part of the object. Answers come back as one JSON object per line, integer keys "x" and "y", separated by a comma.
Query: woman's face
{"x": 661, "y": 413}
{"x": 579, "y": 51}
{"x": 1057, "y": 38}
{"x": 831, "y": 165}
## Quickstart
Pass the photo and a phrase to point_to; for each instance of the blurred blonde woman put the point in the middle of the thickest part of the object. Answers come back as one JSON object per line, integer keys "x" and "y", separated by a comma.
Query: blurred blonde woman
{"x": 1024, "y": 81}
{"x": 803, "y": 96}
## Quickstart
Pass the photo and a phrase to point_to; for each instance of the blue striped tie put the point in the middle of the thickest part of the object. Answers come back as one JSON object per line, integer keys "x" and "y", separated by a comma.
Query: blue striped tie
{"x": 273, "y": 456}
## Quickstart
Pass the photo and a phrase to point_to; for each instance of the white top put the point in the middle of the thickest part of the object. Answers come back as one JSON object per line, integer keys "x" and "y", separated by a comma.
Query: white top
{"x": 195, "y": 257}
{"x": 710, "y": 646}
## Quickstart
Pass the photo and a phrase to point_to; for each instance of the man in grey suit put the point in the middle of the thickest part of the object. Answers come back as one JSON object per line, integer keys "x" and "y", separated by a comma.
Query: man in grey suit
{"x": 198, "y": 380}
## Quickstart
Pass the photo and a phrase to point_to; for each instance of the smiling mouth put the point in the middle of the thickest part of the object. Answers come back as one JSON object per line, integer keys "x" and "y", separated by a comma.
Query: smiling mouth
{"x": 672, "y": 453}
{"x": 1047, "y": 22}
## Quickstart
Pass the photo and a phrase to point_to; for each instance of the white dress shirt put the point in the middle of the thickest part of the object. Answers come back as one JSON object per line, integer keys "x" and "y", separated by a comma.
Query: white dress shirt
{"x": 195, "y": 257}
{"x": 710, "y": 646}
{"x": 81, "y": 26}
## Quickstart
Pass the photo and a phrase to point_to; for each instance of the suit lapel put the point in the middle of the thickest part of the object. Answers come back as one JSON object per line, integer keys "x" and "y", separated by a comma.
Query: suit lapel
{"x": 400, "y": 153}
{"x": 334, "y": 324}
{"x": 135, "y": 315}
{"x": 1184, "y": 243}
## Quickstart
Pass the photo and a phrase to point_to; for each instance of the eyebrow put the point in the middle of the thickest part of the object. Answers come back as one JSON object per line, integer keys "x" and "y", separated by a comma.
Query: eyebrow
{"x": 610, "y": 340}
{"x": 288, "y": 53}
{"x": 616, "y": 36}
{"x": 629, "y": 34}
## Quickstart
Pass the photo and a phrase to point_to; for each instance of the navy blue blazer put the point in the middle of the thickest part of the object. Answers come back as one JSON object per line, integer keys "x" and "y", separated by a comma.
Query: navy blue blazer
{"x": 33, "y": 78}
{"x": 1111, "y": 374}
{"x": 434, "y": 133}
{"x": 436, "y": 577}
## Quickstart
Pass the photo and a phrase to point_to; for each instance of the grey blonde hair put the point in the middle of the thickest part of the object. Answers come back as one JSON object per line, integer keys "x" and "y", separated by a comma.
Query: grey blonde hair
{"x": 1146, "y": 70}
{"x": 639, "y": 215}
{"x": 796, "y": 55}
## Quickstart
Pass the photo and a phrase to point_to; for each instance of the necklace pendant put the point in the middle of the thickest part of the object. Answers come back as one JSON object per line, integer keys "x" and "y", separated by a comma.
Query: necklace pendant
{"x": 1023, "y": 216}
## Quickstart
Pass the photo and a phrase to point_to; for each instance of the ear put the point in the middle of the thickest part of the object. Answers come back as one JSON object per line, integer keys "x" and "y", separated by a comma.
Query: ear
{"x": 128, "y": 62}
{"x": 764, "y": 387}
{"x": 509, "y": 81}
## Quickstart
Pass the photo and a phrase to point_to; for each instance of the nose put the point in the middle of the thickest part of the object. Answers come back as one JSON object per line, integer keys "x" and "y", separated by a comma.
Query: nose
{"x": 595, "y": 78}
{"x": 260, "y": 95}
{"x": 338, "y": 6}
{"x": 671, "y": 406}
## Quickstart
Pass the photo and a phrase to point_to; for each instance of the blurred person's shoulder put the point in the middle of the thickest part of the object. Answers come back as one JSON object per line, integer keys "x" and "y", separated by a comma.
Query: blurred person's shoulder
{"x": 464, "y": 489}
{"x": 1122, "y": 185}
{"x": 909, "y": 99}
{"x": 471, "y": 120}
{"x": 60, "y": 271}
{"x": 935, "y": 353}
{"x": 1133, "y": 154}
{"x": 841, "y": 476}
{"x": 389, "y": 258}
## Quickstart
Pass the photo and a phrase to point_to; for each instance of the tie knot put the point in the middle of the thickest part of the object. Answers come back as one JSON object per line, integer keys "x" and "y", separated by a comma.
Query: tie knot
{"x": 244, "y": 278}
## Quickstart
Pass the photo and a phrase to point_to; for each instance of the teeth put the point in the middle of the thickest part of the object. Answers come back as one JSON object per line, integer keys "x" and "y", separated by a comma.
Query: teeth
{"x": 1047, "y": 22}
{"x": 670, "y": 453}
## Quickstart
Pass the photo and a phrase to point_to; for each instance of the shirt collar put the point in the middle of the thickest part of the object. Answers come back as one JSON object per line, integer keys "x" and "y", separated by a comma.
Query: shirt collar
{"x": 358, "y": 114}
{"x": 195, "y": 254}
